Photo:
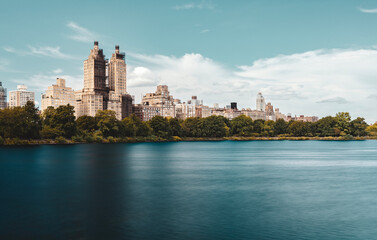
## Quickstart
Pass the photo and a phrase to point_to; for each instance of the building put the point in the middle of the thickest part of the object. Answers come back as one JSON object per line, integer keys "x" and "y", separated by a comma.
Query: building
{"x": 19, "y": 97}
{"x": 261, "y": 104}
{"x": 270, "y": 114}
{"x": 233, "y": 105}
{"x": 159, "y": 103}
{"x": 96, "y": 94}
{"x": 57, "y": 95}
{"x": 191, "y": 108}
{"x": 3, "y": 96}
{"x": 279, "y": 115}
{"x": 254, "y": 114}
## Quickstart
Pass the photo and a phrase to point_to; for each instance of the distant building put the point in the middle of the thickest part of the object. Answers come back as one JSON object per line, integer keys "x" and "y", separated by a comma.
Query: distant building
{"x": 233, "y": 105}
{"x": 254, "y": 114}
{"x": 3, "y": 96}
{"x": 270, "y": 114}
{"x": 191, "y": 108}
{"x": 159, "y": 103}
{"x": 261, "y": 104}
{"x": 57, "y": 95}
{"x": 279, "y": 115}
{"x": 19, "y": 97}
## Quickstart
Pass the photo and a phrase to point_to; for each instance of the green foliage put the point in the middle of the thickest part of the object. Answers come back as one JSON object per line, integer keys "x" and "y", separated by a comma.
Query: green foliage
{"x": 192, "y": 127}
{"x": 86, "y": 124}
{"x": 133, "y": 127}
{"x": 258, "y": 127}
{"x": 20, "y": 122}
{"x": 160, "y": 126}
{"x": 269, "y": 128}
{"x": 108, "y": 124}
{"x": 241, "y": 126}
{"x": 298, "y": 128}
{"x": 372, "y": 129}
{"x": 281, "y": 127}
{"x": 215, "y": 126}
{"x": 343, "y": 123}
{"x": 326, "y": 127}
{"x": 175, "y": 127}
{"x": 60, "y": 140}
{"x": 358, "y": 127}
{"x": 59, "y": 122}
{"x": 2, "y": 141}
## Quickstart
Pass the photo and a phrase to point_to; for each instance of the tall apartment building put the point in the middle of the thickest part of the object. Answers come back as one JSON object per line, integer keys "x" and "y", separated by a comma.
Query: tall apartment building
{"x": 3, "y": 96}
{"x": 270, "y": 114}
{"x": 57, "y": 95}
{"x": 19, "y": 97}
{"x": 97, "y": 95}
{"x": 159, "y": 103}
{"x": 261, "y": 104}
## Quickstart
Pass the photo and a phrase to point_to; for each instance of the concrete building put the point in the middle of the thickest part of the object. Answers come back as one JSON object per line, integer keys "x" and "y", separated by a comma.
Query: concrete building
{"x": 261, "y": 103}
{"x": 279, "y": 115}
{"x": 3, "y": 97}
{"x": 19, "y": 97}
{"x": 270, "y": 114}
{"x": 159, "y": 103}
{"x": 254, "y": 114}
{"x": 191, "y": 108}
{"x": 96, "y": 95}
{"x": 57, "y": 95}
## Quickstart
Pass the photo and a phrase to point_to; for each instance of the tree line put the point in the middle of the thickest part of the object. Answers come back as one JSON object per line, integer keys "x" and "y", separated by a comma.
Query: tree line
{"x": 60, "y": 124}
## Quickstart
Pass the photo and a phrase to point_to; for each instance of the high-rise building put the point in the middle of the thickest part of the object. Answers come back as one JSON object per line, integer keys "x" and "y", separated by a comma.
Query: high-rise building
{"x": 57, "y": 95}
{"x": 3, "y": 97}
{"x": 96, "y": 95}
{"x": 117, "y": 72}
{"x": 19, "y": 97}
{"x": 261, "y": 104}
{"x": 270, "y": 114}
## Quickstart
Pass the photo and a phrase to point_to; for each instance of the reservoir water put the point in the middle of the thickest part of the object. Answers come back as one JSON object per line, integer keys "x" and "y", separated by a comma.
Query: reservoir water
{"x": 190, "y": 190}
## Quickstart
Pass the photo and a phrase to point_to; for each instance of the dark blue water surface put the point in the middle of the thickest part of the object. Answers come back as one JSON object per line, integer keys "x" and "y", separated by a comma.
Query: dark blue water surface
{"x": 190, "y": 190}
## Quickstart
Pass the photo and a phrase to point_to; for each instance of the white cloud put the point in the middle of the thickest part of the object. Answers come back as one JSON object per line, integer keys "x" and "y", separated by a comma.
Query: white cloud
{"x": 364, "y": 10}
{"x": 81, "y": 34}
{"x": 201, "y": 5}
{"x": 310, "y": 83}
{"x": 205, "y": 30}
{"x": 338, "y": 100}
{"x": 46, "y": 51}
{"x": 57, "y": 71}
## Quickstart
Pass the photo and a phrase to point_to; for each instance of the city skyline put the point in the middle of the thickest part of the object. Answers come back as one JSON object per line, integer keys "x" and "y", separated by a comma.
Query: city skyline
{"x": 333, "y": 71}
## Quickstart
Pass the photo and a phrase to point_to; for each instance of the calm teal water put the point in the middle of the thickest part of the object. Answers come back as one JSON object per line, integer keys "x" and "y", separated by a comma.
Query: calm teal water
{"x": 190, "y": 190}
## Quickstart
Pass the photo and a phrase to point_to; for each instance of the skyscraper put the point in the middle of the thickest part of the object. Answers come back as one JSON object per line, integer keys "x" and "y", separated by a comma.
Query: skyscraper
{"x": 3, "y": 97}
{"x": 96, "y": 95}
{"x": 19, "y": 97}
{"x": 117, "y": 72}
{"x": 261, "y": 104}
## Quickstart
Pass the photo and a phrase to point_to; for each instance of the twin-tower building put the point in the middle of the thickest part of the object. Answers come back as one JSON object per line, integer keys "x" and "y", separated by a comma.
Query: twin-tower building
{"x": 105, "y": 85}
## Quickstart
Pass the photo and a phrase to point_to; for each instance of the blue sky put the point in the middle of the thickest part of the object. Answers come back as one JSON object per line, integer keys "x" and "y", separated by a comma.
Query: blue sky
{"x": 307, "y": 57}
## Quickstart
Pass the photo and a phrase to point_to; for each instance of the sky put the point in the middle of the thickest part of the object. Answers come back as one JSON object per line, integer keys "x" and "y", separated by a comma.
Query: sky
{"x": 306, "y": 57}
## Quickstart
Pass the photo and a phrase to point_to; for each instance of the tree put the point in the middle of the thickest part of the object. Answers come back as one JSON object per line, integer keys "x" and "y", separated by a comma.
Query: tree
{"x": 32, "y": 120}
{"x": 326, "y": 127}
{"x": 160, "y": 126}
{"x": 269, "y": 128}
{"x": 343, "y": 122}
{"x": 59, "y": 122}
{"x": 258, "y": 127}
{"x": 215, "y": 126}
{"x": 372, "y": 129}
{"x": 358, "y": 127}
{"x": 108, "y": 124}
{"x": 175, "y": 127}
{"x": 86, "y": 124}
{"x": 192, "y": 127}
{"x": 241, "y": 126}
{"x": 281, "y": 126}
{"x": 299, "y": 128}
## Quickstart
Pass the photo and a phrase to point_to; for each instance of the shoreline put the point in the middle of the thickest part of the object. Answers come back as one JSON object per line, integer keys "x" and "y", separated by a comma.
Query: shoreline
{"x": 23, "y": 142}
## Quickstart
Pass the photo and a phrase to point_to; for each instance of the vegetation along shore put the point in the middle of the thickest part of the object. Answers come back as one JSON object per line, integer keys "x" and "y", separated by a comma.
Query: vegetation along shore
{"x": 24, "y": 126}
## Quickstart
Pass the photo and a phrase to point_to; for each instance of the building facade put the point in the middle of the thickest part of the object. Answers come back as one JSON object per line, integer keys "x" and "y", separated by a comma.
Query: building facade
{"x": 57, "y": 95}
{"x": 97, "y": 94}
{"x": 3, "y": 97}
{"x": 19, "y": 97}
{"x": 159, "y": 103}
{"x": 261, "y": 103}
